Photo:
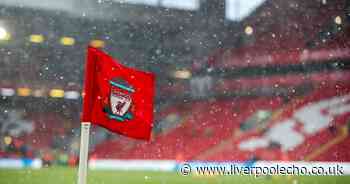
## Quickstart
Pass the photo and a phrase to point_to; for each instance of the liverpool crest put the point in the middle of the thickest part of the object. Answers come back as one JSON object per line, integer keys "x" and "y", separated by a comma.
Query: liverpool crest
{"x": 120, "y": 101}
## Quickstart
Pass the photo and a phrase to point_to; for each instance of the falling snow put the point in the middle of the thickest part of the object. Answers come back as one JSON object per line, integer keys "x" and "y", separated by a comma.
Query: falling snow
{"x": 236, "y": 80}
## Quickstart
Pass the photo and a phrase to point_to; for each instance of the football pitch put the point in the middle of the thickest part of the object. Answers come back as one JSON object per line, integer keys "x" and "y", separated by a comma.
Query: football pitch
{"x": 68, "y": 176}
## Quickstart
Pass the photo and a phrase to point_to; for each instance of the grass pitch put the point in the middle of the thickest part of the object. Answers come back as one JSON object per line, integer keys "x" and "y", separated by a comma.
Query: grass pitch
{"x": 68, "y": 176}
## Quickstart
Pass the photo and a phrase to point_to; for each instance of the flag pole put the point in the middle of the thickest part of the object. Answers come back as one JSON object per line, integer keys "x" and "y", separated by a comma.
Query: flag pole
{"x": 84, "y": 150}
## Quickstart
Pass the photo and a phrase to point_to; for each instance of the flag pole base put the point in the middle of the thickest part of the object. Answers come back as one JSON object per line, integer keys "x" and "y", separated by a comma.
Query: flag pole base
{"x": 84, "y": 150}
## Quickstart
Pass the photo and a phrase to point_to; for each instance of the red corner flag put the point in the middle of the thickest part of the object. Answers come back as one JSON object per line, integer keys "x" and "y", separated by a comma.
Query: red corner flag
{"x": 117, "y": 97}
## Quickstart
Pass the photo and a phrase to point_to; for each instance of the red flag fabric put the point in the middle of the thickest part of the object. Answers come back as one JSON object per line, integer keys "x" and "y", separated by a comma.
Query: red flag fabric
{"x": 116, "y": 97}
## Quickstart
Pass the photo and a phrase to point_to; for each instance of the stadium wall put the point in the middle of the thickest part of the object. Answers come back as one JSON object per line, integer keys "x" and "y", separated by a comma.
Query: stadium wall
{"x": 172, "y": 165}
{"x": 20, "y": 163}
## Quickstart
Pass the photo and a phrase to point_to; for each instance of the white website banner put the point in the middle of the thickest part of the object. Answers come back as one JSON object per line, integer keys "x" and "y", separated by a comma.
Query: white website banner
{"x": 298, "y": 167}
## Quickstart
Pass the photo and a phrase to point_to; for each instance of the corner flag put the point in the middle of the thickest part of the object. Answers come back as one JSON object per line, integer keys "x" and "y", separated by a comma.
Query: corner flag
{"x": 116, "y": 97}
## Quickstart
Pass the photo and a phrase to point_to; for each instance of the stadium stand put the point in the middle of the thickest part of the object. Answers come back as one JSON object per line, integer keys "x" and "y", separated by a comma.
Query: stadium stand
{"x": 205, "y": 125}
{"x": 39, "y": 135}
{"x": 318, "y": 132}
{"x": 209, "y": 133}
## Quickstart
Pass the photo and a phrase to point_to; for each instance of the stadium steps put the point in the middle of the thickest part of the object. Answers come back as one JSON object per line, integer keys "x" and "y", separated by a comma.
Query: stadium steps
{"x": 319, "y": 146}
{"x": 342, "y": 135}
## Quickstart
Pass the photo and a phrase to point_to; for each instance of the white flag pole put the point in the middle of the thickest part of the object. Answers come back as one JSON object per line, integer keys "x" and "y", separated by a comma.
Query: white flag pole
{"x": 84, "y": 150}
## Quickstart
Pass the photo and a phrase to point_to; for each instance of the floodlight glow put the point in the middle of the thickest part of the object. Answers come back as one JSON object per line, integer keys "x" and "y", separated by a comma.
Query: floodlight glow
{"x": 71, "y": 95}
{"x": 182, "y": 74}
{"x": 338, "y": 20}
{"x": 248, "y": 30}
{"x": 38, "y": 93}
{"x": 4, "y": 35}
{"x": 97, "y": 43}
{"x": 67, "y": 41}
{"x": 7, "y": 140}
{"x": 23, "y": 91}
{"x": 57, "y": 93}
{"x": 36, "y": 38}
{"x": 7, "y": 91}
